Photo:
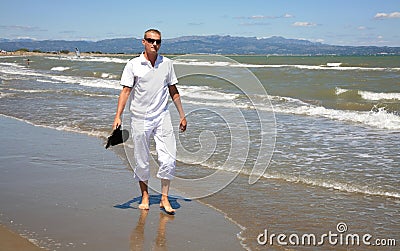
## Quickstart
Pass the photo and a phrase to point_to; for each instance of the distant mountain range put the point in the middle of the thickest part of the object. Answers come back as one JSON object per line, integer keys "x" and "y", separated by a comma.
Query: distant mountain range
{"x": 201, "y": 44}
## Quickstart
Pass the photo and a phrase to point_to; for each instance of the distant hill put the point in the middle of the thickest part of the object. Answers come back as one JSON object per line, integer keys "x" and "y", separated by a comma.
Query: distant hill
{"x": 202, "y": 44}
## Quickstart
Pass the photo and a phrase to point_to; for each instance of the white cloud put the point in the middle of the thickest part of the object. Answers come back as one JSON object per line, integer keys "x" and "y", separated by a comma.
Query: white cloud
{"x": 383, "y": 15}
{"x": 195, "y": 23}
{"x": 303, "y": 24}
{"x": 257, "y": 17}
{"x": 20, "y": 28}
{"x": 254, "y": 23}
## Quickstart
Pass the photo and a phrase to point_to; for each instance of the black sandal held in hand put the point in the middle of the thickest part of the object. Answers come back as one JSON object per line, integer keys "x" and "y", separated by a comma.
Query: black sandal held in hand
{"x": 118, "y": 136}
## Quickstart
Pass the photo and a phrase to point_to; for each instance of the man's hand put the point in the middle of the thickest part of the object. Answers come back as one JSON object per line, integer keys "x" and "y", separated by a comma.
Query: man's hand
{"x": 182, "y": 125}
{"x": 117, "y": 123}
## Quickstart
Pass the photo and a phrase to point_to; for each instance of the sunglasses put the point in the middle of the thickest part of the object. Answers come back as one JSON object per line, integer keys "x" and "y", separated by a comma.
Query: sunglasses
{"x": 151, "y": 40}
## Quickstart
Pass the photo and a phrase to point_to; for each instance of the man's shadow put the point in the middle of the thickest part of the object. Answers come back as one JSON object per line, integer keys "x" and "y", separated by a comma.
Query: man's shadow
{"x": 154, "y": 199}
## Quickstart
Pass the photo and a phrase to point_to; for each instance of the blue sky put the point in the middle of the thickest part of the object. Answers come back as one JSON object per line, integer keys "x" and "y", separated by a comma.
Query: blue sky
{"x": 339, "y": 22}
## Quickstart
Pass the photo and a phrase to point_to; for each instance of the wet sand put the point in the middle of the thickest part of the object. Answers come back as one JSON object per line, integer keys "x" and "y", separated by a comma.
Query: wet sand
{"x": 11, "y": 241}
{"x": 64, "y": 191}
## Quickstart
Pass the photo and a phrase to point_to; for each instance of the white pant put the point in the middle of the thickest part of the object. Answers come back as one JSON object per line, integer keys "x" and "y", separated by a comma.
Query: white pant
{"x": 161, "y": 129}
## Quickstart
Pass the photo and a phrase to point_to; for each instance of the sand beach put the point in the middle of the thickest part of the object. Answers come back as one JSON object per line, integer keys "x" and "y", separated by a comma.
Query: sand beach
{"x": 64, "y": 191}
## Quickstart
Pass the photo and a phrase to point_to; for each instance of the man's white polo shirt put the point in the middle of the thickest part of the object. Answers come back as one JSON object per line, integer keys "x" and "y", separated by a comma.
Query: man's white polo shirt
{"x": 149, "y": 95}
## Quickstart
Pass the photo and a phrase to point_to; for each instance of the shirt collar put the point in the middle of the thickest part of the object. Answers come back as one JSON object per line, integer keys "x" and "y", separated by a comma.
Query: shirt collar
{"x": 144, "y": 61}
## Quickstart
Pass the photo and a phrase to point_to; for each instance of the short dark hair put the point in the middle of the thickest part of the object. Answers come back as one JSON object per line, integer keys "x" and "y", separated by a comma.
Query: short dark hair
{"x": 152, "y": 30}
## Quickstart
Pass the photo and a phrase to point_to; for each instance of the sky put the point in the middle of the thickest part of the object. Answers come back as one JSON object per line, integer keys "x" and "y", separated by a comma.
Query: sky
{"x": 336, "y": 22}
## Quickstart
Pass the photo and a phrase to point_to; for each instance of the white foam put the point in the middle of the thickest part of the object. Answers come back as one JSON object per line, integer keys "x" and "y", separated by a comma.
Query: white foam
{"x": 205, "y": 93}
{"x": 351, "y": 188}
{"x": 90, "y": 82}
{"x": 105, "y": 75}
{"x": 16, "y": 69}
{"x": 44, "y": 81}
{"x": 333, "y": 64}
{"x": 3, "y": 95}
{"x": 341, "y": 186}
{"x": 60, "y": 68}
{"x": 29, "y": 91}
{"x": 328, "y": 66}
{"x": 12, "y": 64}
{"x": 367, "y": 95}
{"x": 91, "y": 59}
{"x": 339, "y": 90}
{"x": 378, "y": 119}
{"x": 379, "y": 96}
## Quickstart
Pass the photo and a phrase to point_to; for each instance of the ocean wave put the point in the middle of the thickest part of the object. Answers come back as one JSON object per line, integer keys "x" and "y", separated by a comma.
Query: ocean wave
{"x": 30, "y": 91}
{"x": 16, "y": 69}
{"x": 328, "y": 184}
{"x": 368, "y": 95}
{"x": 106, "y": 75}
{"x": 340, "y": 186}
{"x": 11, "y": 64}
{"x": 94, "y": 133}
{"x": 46, "y": 81}
{"x": 339, "y": 91}
{"x": 379, "y": 96}
{"x": 377, "y": 118}
{"x": 3, "y": 95}
{"x": 205, "y": 92}
{"x": 88, "y": 81}
{"x": 55, "y": 91}
{"x": 333, "y": 64}
{"x": 328, "y": 66}
{"x": 23, "y": 72}
{"x": 91, "y": 59}
{"x": 60, "y": 68}
{"x": 202, "y": 95}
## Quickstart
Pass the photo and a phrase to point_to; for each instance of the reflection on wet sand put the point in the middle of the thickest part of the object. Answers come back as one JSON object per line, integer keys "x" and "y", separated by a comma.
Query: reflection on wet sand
{"x": 137, "y": 235}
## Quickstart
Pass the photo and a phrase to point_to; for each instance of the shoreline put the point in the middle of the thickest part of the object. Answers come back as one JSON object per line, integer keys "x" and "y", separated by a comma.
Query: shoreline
{"x": 106, "y": 54}
{"x": 11, "y": 241}
{"x": 64, "y": 190}
{"x": 83, "y": 54}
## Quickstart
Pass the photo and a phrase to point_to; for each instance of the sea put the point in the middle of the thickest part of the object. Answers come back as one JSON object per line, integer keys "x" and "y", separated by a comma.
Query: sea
{"x": 287, "y": 147}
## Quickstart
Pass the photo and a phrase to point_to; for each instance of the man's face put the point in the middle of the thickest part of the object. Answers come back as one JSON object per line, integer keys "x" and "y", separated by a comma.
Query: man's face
{"x": 152, "y": 42}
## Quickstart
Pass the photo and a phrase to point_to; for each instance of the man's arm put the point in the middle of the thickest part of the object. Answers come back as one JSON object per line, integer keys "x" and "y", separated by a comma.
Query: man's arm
{"x": 123, "y": 98}
{"x": 173, "y": 91}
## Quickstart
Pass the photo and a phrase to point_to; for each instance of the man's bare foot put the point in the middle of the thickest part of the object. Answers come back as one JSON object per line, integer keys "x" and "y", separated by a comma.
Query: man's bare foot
{"x": 144, "y": 205}
{"x": 164, "y": 203}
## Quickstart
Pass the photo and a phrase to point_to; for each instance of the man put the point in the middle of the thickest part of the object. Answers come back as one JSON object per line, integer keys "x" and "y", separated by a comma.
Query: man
{"x": 148, "y": 79}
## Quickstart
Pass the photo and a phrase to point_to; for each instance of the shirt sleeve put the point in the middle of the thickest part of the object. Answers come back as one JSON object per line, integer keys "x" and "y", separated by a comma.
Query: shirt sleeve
{"x": 172, "y": 77}
{"x": 128, "y": 77}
